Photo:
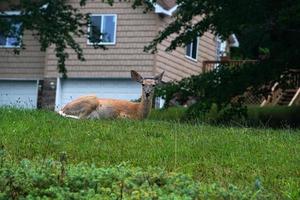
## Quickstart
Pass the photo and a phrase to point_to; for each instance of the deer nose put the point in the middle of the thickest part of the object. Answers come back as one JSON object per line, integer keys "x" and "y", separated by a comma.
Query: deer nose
{"x": 147, "y": 94}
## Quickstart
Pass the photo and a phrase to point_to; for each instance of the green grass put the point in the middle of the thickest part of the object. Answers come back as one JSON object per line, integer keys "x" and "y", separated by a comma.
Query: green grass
{"x": 239, "y": 156}
{"x": 174, "y": 114}
{"x": 269, "y": 116}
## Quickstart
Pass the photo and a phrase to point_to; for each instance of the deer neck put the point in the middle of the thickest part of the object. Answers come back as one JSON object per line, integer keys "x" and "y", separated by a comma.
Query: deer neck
{"x": 145, "y": 106}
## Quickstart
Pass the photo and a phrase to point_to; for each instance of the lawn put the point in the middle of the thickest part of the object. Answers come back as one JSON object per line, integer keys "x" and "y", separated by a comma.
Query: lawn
{"x": 224, "y": 155}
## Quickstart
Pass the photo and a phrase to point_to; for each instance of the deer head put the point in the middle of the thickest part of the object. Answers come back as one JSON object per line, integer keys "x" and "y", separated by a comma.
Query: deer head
{"x": 148, "y": 84}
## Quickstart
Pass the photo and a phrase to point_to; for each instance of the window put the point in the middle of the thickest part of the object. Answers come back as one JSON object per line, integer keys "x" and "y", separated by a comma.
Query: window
{"x": 192, "y": 49}
{"x": 12, "y": 37}
{"x": 103, "y": 29}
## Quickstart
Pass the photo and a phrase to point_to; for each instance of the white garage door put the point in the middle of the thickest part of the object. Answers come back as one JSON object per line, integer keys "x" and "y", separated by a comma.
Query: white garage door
{"x": 102, "y": 88}
{"x": 20, "y": 94}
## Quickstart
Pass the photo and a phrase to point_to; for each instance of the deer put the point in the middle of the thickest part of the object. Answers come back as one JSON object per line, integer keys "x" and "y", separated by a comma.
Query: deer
{"x": 92, "y": 107}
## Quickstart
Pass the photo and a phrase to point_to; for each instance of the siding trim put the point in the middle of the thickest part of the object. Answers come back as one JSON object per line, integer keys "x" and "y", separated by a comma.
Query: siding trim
{"x": 57, "y": 94}
{"x": 21, "y": 79}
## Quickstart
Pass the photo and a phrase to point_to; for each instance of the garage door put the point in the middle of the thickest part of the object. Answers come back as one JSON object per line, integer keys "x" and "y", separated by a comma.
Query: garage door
{"x": 103, "y": 88}
{"x": 20, "y": 94}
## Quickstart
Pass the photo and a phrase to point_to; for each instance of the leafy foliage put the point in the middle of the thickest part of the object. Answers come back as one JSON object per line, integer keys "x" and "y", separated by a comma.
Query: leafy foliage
{"x": 32, "y": 181}
{"x": 274, "y": 116}
{"x": 266, "y": 30}
{"x": 265, "y": 25}
{"x": 258, "y": 25}
{"x": 53, "y": 22}
{"x": 258, "y": 117}
{"x": 222, "y": 87}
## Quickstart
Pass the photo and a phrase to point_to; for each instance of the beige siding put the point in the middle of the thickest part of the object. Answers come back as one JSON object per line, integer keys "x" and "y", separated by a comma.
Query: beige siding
{"x": 134, "y": 31}
{"x": 29, "y": 64}
{"x": 175, "y": 64}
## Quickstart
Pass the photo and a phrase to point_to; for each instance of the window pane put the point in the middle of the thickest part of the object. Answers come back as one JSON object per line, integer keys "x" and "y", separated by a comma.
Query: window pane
{"x": 109, "y": 29}
{"x": 194, "y": 49}
{"x": 188, "y": 50}
{"x": 13, "y": 38}
{"x": 12, "y": 41}
{"x": 95, "y": 30}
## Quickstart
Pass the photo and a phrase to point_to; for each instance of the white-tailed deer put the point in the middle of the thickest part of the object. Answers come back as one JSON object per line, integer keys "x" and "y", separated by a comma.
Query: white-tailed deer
{"x": 91, "y": 107}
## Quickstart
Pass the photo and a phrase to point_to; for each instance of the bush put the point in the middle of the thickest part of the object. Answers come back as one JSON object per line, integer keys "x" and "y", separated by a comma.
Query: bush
{"x": 271, "y": 116}
{"x": 274, "y": 116}
{"x": 53, "y": 180}
{"x": 223, "y": 87}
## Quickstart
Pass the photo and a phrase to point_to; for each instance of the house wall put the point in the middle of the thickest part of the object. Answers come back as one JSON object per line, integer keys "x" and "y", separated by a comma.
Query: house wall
{"x": 134, "y": 31}
{"x": 29, "y": 64}
{"x": 175, "y": 64}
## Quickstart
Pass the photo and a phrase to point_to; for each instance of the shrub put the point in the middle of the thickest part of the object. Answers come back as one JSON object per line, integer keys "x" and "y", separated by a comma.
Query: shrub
{"x": 54, "y": 180}
{"x": 271, "y": 116}
{"x": 274, "y": 116}
{"x": 222, "y": 87}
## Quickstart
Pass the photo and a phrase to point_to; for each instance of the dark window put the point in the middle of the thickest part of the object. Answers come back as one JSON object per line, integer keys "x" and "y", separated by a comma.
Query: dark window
{"x": 192, "y": 49}
{"x": 11, "y": 36}
{"x": 103, "y": 29}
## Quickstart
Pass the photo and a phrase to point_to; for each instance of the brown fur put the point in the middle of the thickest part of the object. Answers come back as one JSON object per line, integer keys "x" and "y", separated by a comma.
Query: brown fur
{"x": 92, "y": 107}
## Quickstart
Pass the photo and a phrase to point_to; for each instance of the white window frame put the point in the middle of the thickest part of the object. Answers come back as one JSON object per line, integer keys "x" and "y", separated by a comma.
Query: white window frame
{"x": 102, "y": 21}
{"x": 191, "y": 51}
{"x": 11, "y": 13}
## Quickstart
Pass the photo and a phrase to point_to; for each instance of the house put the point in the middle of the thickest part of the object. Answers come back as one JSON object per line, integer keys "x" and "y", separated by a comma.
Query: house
{"x": 31, "y": 79}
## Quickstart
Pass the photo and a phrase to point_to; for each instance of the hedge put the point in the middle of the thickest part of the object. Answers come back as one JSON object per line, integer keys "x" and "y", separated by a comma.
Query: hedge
{"x": 270, "y": 116}
{"x": 55, "y": 180}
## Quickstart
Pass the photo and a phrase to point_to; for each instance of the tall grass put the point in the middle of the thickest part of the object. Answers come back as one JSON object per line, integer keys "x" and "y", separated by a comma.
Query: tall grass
{"x": 240, "y": 156}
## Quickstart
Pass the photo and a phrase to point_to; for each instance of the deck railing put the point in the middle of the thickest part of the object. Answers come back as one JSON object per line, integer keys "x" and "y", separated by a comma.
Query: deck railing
{"x": 293, "y": 77}
{"x": 209, "y": 65}
{"x": 290, "y": 80}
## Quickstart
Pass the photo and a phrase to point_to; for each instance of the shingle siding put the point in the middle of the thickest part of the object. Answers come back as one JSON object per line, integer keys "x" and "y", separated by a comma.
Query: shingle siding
{"x": 29, "y": 64}
{"x": 134, "y": 30}
{"x": 175, "y": 64}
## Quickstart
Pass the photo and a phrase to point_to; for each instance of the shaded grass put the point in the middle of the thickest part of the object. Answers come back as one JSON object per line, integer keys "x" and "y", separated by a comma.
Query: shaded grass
{"x": 269, "y": 116}
{"x": 240, "y": 156}
{"x": 174, "y": 114}
{"x": 275, "y": 116}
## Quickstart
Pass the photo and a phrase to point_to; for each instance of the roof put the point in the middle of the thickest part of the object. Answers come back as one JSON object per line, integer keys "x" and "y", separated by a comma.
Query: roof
{"x": 166, "y": 4}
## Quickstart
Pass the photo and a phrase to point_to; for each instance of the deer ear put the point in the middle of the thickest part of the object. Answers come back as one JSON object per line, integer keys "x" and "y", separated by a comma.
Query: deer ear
{"x": 158, "y": 78}
{"x": 136, "y": 76}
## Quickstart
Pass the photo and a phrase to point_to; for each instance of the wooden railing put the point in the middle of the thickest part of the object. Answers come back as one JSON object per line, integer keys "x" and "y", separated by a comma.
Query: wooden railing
{"x": 296, "y": 98}
{"x": 273, "y": 97}
{"x": 209, "y": 65}
{"x": 292, "y": 77}
{"x": 290, "y": 80}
